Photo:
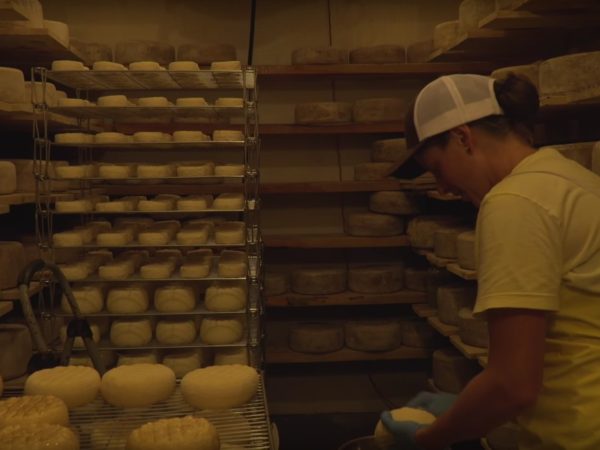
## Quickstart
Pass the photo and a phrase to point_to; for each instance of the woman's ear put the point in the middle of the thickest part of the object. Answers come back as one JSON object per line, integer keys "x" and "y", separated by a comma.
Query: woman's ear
{"x": 464, "y": 137}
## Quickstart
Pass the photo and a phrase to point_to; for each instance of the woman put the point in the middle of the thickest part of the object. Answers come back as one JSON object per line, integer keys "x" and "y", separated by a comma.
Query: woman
{"x": 538, "y": 249}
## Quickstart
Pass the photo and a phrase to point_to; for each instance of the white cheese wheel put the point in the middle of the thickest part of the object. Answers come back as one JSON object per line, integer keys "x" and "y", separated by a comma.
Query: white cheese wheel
{"x": 174, "y": 298}
{"x": 316, "y": 337}
{"x": 78, "y": 342}
{"x": 195, "y": 202}
{"x": 415, "y": 279}
{"x": 143, "y": 357}
{"x": 217, "y": 331}
{"x": 378, "y": 279}
{"x": 109, "y": 101}
{"x": 192, "y": 102}
{"x": 159, "y": 203}
{"x": 225, "y": 65}
{"x": 145, "y": 66}
{"x": 111, "y": 171}
{"x": 72, "y": 102}
{"x": 193, "y": 235}
{"x": 110, "y": 137}
{"x": 230, "y": 102}
{"x": 465, "y": 250}
{"x": 451, "y": 370}
{"x": 127, "y": 299}
{"x": 445, "y": 34}
{"x": 90, "y": 299}
{"x": 319, "y": 280}
{"x": 155, "y": 170}
{"x": 320, "y": 55}
{"x": 160, "y": 269}
{"x": 529, "y": 71}
{"x": 75, "y": 385}
{"x": 470, "y": 13}
{"x": 59, "y": 31}
{"x": 378, "y": 54}
{"x": 444, "y": 241}
{"x": 394, "y": 202}
{"x": 378, "y": 110}
{"x": 12, "y": 86}
{"x": 223, "y": 356}
{"x": 230, "y": 233}
{"x": 131, "y": 332}
{"x": 137, "y": 385}
{"x": 372, "y": 224}
{"x": 12, "y": 261}
{"x": 115, "y": 238}
{"x": 451, "y": 298}
{"x": 372, "y": 171}
{"x": 152, "y": 102}
{"x": 220, "y": 387}
{"x": 229, "y": 201}
{"x": 185, "y": 433}
{"x": 385, "y": 439}
{"x": 184, "y": 66}
{"x": 74, "y": 206}
{"x": 116, "y": 270}
{"x": 276, "y": 283}
{"x": 389, "y": 150}
{"x": 232, "y": 264}
{"x": 108, "y": 66}
{"x": 176, "y": 332}
{"x": 116, "y": 206}
{"x": 227, "y": 136}
{"x": 196, "y": 268}
{"x": 33, "y": 409}
{"x": 67, "y": 172}
{"x": 200, "y": 169}
{"x": 322, "y": 113}
{"x": 127, "y": 52}
{"x": 73, "y": 238}
{"x": 183, "y": 362}
{"x": 224, "y": 296}
{"x": 373, "y": 335}
{"x": 65, "y": 65}
{"x": 189, "y": 136}
{"x": 148, "y": 137}
{"x": 75, "y": 271}
{"x": 421, "y": 230}
{"x": 230, "y": 170}
{"x": 73, "y": 138}
{"x": 418, "y": 333}
{"x": 38, "y": 436}
{"x": 472, "y": 330}
{"x": 206, "y": 54}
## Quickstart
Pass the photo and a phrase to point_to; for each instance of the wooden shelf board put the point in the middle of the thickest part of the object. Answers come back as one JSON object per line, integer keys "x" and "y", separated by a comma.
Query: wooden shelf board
{"x": 348, "y": 128}
{"x": 20, "y": 117}
{"x": 468, "y": 351}
{"x": 515, "y": 20}
{"x": 276, "y": 355}
{"x": 319, "y": 187}
{"x": 20, "y": 45}
{"x": 332, "y": 241}
{"x": 442, "y": 263}
{"x": 179, "y": 189}
{"x": 424, "y": 310}
{"x": 13, "y": 293}
{"x": 10, "y": 10}
{"x": 442, "y": 328}
{"x": 346, "y": 299}
{"x": 465, "y": 274}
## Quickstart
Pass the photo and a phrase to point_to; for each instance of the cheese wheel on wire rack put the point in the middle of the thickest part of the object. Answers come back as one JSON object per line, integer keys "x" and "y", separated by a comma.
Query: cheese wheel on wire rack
{"x": 155, "y": 170}
{"x": 128, "y": 299}
{"x": 192, "y": 102}
{"x": 131, "y": 332}
{"x": 73, "y": 138}
{"x": 229, "y": 201}
{"x": 190, "y": 136}
{"x": 319, "y": 280}
{"x": 373, "y": 335}
{"x": 137, "y": 357}
{"x": 116, "y": 270}
{"x": 157, "y": 269}
{"x": 323, "y": 113}
{"x": 118, "y": 236}
{"x": 198, "y": 265}
{"x": 394, "y": 202}
{"x": 184, "y": 66}
{"x": 223, "y": 296}
{"x": 235, "y": 355}
{"x": 175, "y": 298}
{"x": 194, "y": 203}
{"x": 38, "y": 436}
{"x": 199, "y": 169}
{"x": 316, "y": 337}
{"x": 33, "y": 409}
{"x": 183, "y": 362}
{"x": 376, "y": 279}
{"x": 218, "y": 331}
{"x": 229, "y": 170}
{"x": 472, "y": 330}
{"x": 110, "y": 171}
{"x": 230, "y": 233}
{"x": 194, "y": 235}
{"x": 230, "y": 102}
{"x": 164, "y": 202}
{"x": 111, "y": 137}
{"x": 227, "y": 136}
{"x": 373, "y": 224}
{"x": 232, "y": 264}
{"x": 89, "y": 298}
{"x": 176, "y": 332}
{"x": 75, "y": 385}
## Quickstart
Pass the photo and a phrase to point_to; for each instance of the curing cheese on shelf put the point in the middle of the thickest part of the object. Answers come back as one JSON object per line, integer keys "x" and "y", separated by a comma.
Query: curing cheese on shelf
{"x": 418, "y": 334}
{"x": 137, "y": 385}
{"x": 103, "y": 65}
{"x": 451, "y": 298}
{"x": 452, "y": 371}
{"x": 316, "y": 337}
{"x": 529, "y": 71}
{"x": 66, "y": 65}
{"x": 75, "y": 385}
{"x": 218, "y": 331}
{"x": 113, "y": 101}
{"x": 189, "y": 136}
{"x": 191, "y": 102}
{"x": 130, "y": 51}
{"x": 204, "y": 55}
{"x": 232, "y": 264}
{"x": 220, "y": 387}
{"x": 470, "y": 13}
{"x": 376, "y": 279}
{"x": 153, "y": 102}
{"x": 445, "y": 34}
{"x": 184, "y": 66}
{"x": 421, "y": 229}
{"x": 58, "y": 30}
{"x": 228, "y": 201}
{"x": 225, "y": 65}
{"x": 373, "y": 335}
{"x": 12, "y": 261}
{"x": 74, "y": 206}
{"x": 118, "y": 236}
{"x": 389, "y": 150}
{"x": 228, "y": 233}
{"x": 394, "y": 202}
{"x": 378, "y": 110}
{"x": 118, "y": 269}
{"x": 12, "y": 86}
{"x": 157, "y": 269}
{"x": 162, "y": 202}
{"x": 472, "y": 330}
{"x": 174, "y": 298}
{"x": 236, "y": 355}
{"x": 197, "y": 264}
{"x": 175, "y": 332}
{"x": 155, "y": 170}
{"x": 323, "y": 113}
{"x": 227, "y": 136}
{"x": 128, "y": 299}
{"x": 131, "y": 332}
{"x": 378, "y": 54}
{"x": 187, "y": 432}
{"x": 33, "y": 409}
{"x": 182, "y": 363}
{"x": 372, "y": 171}
{"x": 569, "y": 78}
{"x": 143, "y": 357}
{"x": 319, "y": 280}
{"x": 415, "y": 279}
{"x": 89, "y": 298}
{"x": 465, "y": 250}
{"x": 38, "y": 436}
{"x": 194, "y": 203}
{"x": 385, "y": 439}
{"x": 230, "y": 102}
{"x": 36, "y": 93}
{"x": 193, "y": 234}
{"x": 444, "y": 242}
{"x": 229, "y": 170}
{"x": 276, "y": 283}
{"x": 320, "y": 55}
{"x": 196, "y": 169}
{"x": 373, "y": 224}
{"x": 110, "y": 171}
{"x": 223, "y": 296}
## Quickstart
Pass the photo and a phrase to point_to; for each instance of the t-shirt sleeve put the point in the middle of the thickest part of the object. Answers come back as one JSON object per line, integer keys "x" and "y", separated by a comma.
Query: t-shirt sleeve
{"x": 519, "y": 255}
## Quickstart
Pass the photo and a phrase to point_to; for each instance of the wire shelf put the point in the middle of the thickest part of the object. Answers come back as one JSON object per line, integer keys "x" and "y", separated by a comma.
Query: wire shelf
{"x": 247, "y": 426}
{"x": 136, "y": 245}
{"x": 200, "y": 310}
{"x": 172, "y": 212}
{"x": 133, "y": 113}
{"x": 105, "y": 344}
{"x": 208, "y": 180}
{"x": 154, "y": 145}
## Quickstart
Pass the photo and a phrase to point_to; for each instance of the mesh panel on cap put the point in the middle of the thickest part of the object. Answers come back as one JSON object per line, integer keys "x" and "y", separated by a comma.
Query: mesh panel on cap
{"x": 434, "y": 100}
{"x": 471, "y": 91}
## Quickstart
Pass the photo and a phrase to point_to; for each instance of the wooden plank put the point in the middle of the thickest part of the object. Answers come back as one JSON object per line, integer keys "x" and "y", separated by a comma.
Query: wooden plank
{"x": 468, "y": 351}
{"x": 465, "y": 274}
{"x": 333, "y": 241}
{"x": 515, "y": 20}
{"x": 424, "y": 310}
{"x": 10, "y": 10}
{"x": 275, "y": 355}
{"x": 346, "y": 299}
{"x": 349, "y": 128}
{"x": 20, "y": 116}
{"x": 442, "y": 328}
{"x": 318, "y": 187}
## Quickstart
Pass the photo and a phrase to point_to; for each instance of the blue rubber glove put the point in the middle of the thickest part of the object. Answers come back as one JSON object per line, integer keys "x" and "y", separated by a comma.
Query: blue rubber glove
{"x": 436, "y": 404}
{"x": 404, "y": 432}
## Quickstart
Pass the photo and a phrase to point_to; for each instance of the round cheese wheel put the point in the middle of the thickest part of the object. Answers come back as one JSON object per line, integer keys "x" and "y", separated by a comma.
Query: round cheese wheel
{"x": 191, "y": 102}
{"x": 230, "y": 233}
{"x": 394, "y": 202}
{"x": 184, "y": 66}
{"x": 196, "y": 169}
{"x": 316, "y": 337}
{"x": 129, "y": 358}
{"x": 206, "y": 54}
{"x": 376, "y": 279}
{"x": 372, "y": 224}
{"x": 176, "y": 432}
{"x": 230, "y": 170}
{"x": 319, "y": 280}
{"x": 220, "y": 387}
{"x": 90, "y": 299}
{"x": 193, "y": 235}
{"x": 472, "y": 330}
{"x": 421, "y": 229}
{"x": 152, "y": 102}
{"x": 174, "y": 298}
{"x": 33, "y": 409}
{"x": 225, "y": 65}
{"x": 157, "y": 270}
{"x": 137, "y": 385}
{"x": 225, "y": 296}
{"x": 373, "y": 335}
{"x": 111, "y": 171}
{"x": 74, "y": 206}
{"x": 445, "y": 34}
{"x": 65, "y": 65}
{"x": 217, "y": 331}
{"x": 114, "y": 238}
{"x": 131, "y": 332}
{"x": 444, "y": 241}
{"x": 227, "y": 135}
{"x": 38, "y": 436}
{"x": 75, "y": 385}
{"x": 189, "y": 136}
{"x": 195, "y": 203}
{"x": 232, "y": 264}
{"x": 385, "y": 439}
{"x": 12, "y": 84}
{"x": 110, "y": 137}
{"x": 175, "y": 332}
{"x": 223, "y": 356}
{"x": 451, "y": 298}
{"x": 183, "y": 362}
{"x": 71, "y": 172}
{"x": 73, "y": 138}
{"x": 108, "y": 66}
{"x": 195, "y": 269}
{"x": 116, "y": 270}
{"x": 127, "y": 299}
{"x": 323, "y": 113}
{"x": 378, "y": 54}
{"x": 148, "y": 137}
{"x": 58, "y": 30}
{"x": 111, "y": 101}
{"x": 228, "y": 201}
{"x": 230, "y": 102}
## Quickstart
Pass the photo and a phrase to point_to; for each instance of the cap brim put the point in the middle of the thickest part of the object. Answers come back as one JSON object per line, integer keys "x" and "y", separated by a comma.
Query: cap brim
{"x": 407, "y": 168}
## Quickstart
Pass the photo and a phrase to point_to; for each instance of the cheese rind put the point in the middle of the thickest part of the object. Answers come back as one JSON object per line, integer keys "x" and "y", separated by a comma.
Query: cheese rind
{"x": 127, "y": 299}
{"x": 394, "y": 202}
{"x": 569, "y": 78}
{"x": 319, "y": 280}
{"x": 175, "y": 298}
{"x": 225, "y": 297}
{"x": 421, "y": 229}
{"x": 320, "y": 55}
{"x": 378, "y": 279}
{"x": 89, "y": 298}
{"x": 389, "y": 150}
{"x": 378, "y": 54}
{"x": 131, "y": 332}
{"x": 75, "y": 385}
{"x": 175, "y": 332}
{"x": 217, "y": 331}
{"x": 232, "y": 264}
{"x": 38, "y": 436}
{"x": 373, "y": 335}
{"x": 451, "y": 298}
{"x": 33, "y": 409}
{"x": 323, "y": 113}
{"x": 472, "y": 330}
{"x": 378, "y": 110}
{"x": 372, "y": 224}
{"x": 224, "y": 356}
{"x": 176, "y": 432}
{"x": 230, "y": 233}
{"x": 316, "y": 337}
{"x": 444, "y": 242}
{"x": 385, "y": 439}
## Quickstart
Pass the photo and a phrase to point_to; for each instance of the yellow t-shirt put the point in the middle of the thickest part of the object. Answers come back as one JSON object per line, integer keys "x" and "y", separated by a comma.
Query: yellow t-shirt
{"x": 538, "y": 247}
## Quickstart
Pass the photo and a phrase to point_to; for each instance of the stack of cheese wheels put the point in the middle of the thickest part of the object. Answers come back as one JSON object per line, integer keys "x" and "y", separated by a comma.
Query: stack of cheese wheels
{"x": 373, "y": 335}
{"x": 444, "y": 241}
{"x": 197, "y": 264}
{"x": 35, "y": 409}
{"x": 470, "y": 12}
{"x": 465, "y": 250}
{"x": 220, "y": 387}
{"x": 452, "y": 371}
{"x": 38, "y": 436}
{"x": 134, "y": 332}
{"x": 421, "y": 229}
{"x": 137, "y": 385}
{"x": 418, "y": 333}
{"x": 316, "y": 337}
{"x": 394, "y": 202}
{"x": 372, "y": 171}
{"x": 206, "y": 54}
{"x": 323, "y": 113}
{"x": 225, "y": 296}
{"x": 384, "y": 439}
{"x": 75, "y": 385}
{"x": 472, "y": 330}
{"x": 376, "y": 279}
{"x": 320, "y": 55}
{"x": 89, "y": 298}
{"x": 182, "y": 362}
{"x": 373, "y": 224}
{"x": 233, "y": 264}
{"x": 187, "y": 432}
{"x": 378, "y": 110}
{"x": 128, "y": 299}
{"x": 175, "y": 298}
{"x": 218, "y": 331}
{"x": 451, "y": 298}
{"x": 445, "y": 34}
{"x": 378, "y": 54}
{"x": 276, "y": 283}
{"x": 529, "y": 71}
{"x": 319, "y": 280}
{"x": 175, "y": 331}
